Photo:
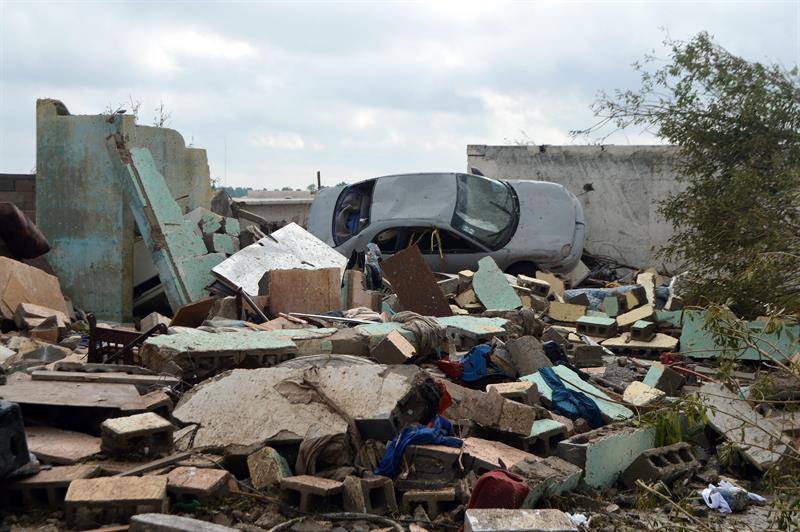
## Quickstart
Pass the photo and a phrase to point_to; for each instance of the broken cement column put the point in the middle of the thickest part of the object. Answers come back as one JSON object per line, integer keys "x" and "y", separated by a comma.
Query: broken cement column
{"x": 240, "y": 411}
{"x": 82, "y": 207}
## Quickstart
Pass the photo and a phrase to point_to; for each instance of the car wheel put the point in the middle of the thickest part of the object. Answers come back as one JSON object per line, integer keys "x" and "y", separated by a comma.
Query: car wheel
{"x": 525, "y": 268}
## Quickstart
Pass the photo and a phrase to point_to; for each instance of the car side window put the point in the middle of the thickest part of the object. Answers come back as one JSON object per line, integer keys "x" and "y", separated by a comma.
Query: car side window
{"x": 428, "y": 239}
{"x": 351, "y": 214}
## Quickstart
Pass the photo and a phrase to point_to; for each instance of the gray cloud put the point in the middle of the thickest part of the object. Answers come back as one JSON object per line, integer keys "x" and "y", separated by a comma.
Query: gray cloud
{"x": 352, "y": 89}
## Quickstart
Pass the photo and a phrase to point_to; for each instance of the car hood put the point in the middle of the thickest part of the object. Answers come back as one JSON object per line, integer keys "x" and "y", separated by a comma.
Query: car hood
{"x": 547, "y": 217}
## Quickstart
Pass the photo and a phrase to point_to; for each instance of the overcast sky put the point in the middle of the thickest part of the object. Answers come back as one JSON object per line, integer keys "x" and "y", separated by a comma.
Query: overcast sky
{"x": 276, "y": 91}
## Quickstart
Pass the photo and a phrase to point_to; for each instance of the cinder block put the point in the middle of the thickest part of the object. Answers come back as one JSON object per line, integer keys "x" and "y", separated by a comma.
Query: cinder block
{"x": 611, "y": 305}
{"x": 393, "y": 349}
{"x": 372, "y": 495}
{"x": 527, "y": 354}
{"x": 47, "y": 487}
{"x": 662, "y": 463}
{"x": 148, "y": 434}
{"x": 521, "y": 520}
{"x": 626, "y": 320}
{"x": 100, "y": 501}
{"x": 545, "y": 434}
{"x": 643, "y": 331}
{"x": 524, "y": 392}
{"x": 596, "y": 326}
{"x": 185, "y": 484}
{"x": 586, "y": 356}
{"x": 433, "y": 501}
{"x": 312, "y": 494}
{"x": 430, "y": 466}
{"x": 664, "y": 378}
{"x": 605, "y": 453}
{"x": 488, "y": 455}
{"x": 640, "y": 394}
{"x": 538, "y": 287}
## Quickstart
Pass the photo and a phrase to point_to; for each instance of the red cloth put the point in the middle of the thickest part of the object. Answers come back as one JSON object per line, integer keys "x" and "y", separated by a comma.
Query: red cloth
{"x": 498, "y": 489}
{"x": 445, "y": 399}
{"x": 453, "y": 370}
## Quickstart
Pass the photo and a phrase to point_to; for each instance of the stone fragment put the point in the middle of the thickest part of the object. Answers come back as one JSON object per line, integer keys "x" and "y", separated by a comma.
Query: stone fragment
{"x": 148, "y": 434}
{"x": 349, "y": 341}
{"x": 60, "y": 447}
{"x": 521, "y": 520}
{"x": 490, "y": 410}
{"x": 29, "y": 316}
{"x": 310, "y": 493}
{"x": 173, "y": 523}
{"x": 151, "y": 320}
{"x": 267, "y": 468}
{"x": 664, "y": 378}
{"x": 188, "y": 483}
{"x": 527, "y": 354}
{"x": 586, "y": 356}
{"x": 492, "y": 288}
{"x": 640, "y": 394}
{"x": 114, "y": 499}
{"x": 488, "y": 455}
{"x": 524, "y": 392}
{"x": 662, "y": 463}
{"x": 565, "y": 312}
{"x": 394, "y": 349}
{"x": 371, "y": 495}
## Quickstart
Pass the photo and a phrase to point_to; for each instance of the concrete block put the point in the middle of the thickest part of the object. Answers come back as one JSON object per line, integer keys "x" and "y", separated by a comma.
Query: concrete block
{"x": 491, "y": 410}
{"x": 148, "y": 434}
{"x": 664, "y": 378}
{"x": 173, "y": 523}
{"x": 488, "y": 455}
{"x": 662, "y": 463}
{"x": 267, "y": 468}
{"x": 537, "y": 286}
{"x": 643, "y": 331}
{"x": 605, "y": 453}
{"x": 611, "y": 305}
{"x": 547, "y": 477}
{"x": 430, "y": 466}
{"x": 565, "y": 312}
{"x": 433, "y": 501}
{"x": 586, "y": 356}
{"x": 524, "y": 392}
{"x": 349, "y": 341}
{"x": 545, "y": 434}
{"x": 596, "y": 326}
{"x": 626, "y": 320}
{"x": 47, "y": 487}
{"x": 232, "y": 226}
{"x": 99, "y": 501}
{"x": 372, "y": 495}
{"x": 626, "y": 346}
{"x": 521, "y": 520}
{"x": 527, "y": 354}
{"x": 640, "y": 394}
{"x": 13, "y": 447}
{"x": 492, "y": 287}
{"x": 394, "y": 349}
{"x": 313, "y": 291}
{"x": 556, "y": 284}
{"x": 312, "y": 494}
{"x": 151, "y": 320}
{"x": 185, "y": 484}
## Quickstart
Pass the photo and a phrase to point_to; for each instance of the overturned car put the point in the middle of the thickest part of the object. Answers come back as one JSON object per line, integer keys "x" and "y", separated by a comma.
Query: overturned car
{"x": 455, "y": 219}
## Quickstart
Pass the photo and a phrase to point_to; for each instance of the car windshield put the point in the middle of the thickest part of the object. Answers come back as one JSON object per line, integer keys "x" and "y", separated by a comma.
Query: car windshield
{"x": 486, "y": 210}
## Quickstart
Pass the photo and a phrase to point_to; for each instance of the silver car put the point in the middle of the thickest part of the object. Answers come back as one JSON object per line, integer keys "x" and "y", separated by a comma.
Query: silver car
{"x": 455, "y": 219}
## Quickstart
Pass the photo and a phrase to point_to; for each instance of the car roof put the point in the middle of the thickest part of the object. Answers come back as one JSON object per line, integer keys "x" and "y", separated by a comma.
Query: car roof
{"x": 424, "y": 196}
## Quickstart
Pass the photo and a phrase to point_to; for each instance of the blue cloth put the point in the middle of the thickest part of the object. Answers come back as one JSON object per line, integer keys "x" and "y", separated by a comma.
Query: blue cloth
{"x": 441, "y": 433}
{"x": 571, "y": 403}
{"x": 475, "y": 363}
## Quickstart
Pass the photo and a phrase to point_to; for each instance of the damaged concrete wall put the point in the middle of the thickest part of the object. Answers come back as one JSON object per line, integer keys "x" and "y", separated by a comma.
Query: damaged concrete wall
{"x": 82, "y": 207}
{"x": 619, "y": 187}
{"x": 20, "y": 189}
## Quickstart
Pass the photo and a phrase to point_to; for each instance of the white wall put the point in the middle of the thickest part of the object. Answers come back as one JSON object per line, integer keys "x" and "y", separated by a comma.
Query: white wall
{"x": 627, "y": 182}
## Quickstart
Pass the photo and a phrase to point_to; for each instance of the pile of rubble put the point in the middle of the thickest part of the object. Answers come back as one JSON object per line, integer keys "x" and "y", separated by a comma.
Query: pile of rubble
{"x": 390, "y": 396}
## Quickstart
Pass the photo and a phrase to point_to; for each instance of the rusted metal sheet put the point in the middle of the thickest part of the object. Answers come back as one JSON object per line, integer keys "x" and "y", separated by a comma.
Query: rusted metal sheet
{"x": 414, "y": 284}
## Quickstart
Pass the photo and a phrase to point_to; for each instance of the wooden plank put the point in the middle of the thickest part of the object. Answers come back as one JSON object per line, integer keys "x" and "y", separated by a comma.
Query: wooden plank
{"x": 111, "y": 378}
{"x": 414, "y": 283}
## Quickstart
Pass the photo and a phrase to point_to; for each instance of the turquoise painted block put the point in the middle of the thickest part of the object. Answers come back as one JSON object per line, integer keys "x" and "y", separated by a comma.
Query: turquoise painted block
{"x": 376, "y": 332}
{"x": 475, "y": 325}
{"x": 232, "y": 226}
{"x": 225, "y": 243}
{"x": 492, "y": 288}
{"x": 546, "y": 426}
{"x": 596, "y": 313}
{"x": 697, "y": 342}
{"x": 674, "y": 317}
{"x": 597, "y": 320}
{"x": 611, "y": 411}
{"x": 610, "y": 306}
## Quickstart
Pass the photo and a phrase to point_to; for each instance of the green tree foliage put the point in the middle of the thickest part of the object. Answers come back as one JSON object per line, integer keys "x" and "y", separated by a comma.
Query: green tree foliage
{"x": 236, "y": 192}
{"x": 737, "y": 123}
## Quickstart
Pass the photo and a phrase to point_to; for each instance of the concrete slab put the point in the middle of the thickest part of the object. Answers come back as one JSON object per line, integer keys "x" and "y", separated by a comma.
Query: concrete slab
{"x": 492, "y": 288}
{"x": 521, "y": 520}
{"x": 111, "y": 491}
{"x": 60, "y": 447}
{"x": 611, "y": 411}
{"x": 199, "y": 482}
{"x": 229, "y": 408}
